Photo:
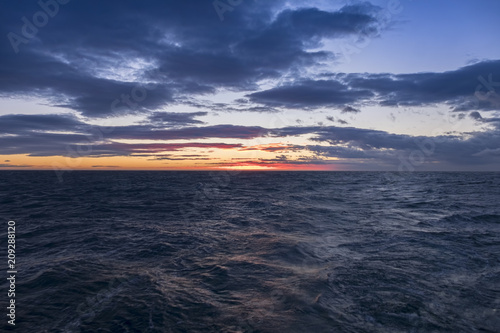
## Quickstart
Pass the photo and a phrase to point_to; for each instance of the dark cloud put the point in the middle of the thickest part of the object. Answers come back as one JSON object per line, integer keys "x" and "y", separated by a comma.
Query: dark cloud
{"x": 239, "y": 105}
{"x": 284, "y": 43}
{"x": 65, "y": 86}
{"x": 274, "y": 148}
{"x": 393, "y": 150}
{"x": 187, "y": 133}
{"x": 83, "y": 60}
{"x": 457, "y": 88}
{"x": 309, "y": 93}
{"x": 475, "y": 115}
{"x": 489, "y": 153}
{"x": 256, "y": 48}
{"x": 172, "y": 157}
{"x": 350, "y": 109}
{"x": 147, "y": 150}
{"x": 468, "y": 88}
{"x": 86, "y": 61}
{"x": 15, "y": 166}
{"x": 61, "y": 135}
{"x": 111, "y": 58}
{"x": 16, "y": 124}
{"x": 478, "y": 117}
{"x": 175, "y": 118}
{"x": 418, "y": 151}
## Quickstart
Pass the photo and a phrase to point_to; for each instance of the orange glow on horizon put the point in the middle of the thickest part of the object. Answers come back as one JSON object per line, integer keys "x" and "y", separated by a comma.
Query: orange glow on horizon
{"x": 248, "y": 165}
{"x": 24, "y": 162}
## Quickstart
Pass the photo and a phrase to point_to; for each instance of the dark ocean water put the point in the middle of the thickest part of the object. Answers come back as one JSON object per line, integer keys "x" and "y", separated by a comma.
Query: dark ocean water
{"x": 253, "y": 251}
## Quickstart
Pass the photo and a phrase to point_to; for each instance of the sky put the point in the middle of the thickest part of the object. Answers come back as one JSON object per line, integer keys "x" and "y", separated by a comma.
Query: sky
{"x": 381, "y": 85}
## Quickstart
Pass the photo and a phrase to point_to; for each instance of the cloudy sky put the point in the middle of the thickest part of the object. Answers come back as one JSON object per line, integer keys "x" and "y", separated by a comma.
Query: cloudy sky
{"x": 250, "y": 84}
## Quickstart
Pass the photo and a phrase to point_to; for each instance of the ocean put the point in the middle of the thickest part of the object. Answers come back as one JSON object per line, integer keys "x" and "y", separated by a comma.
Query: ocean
{"x": 110, "y": 251}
